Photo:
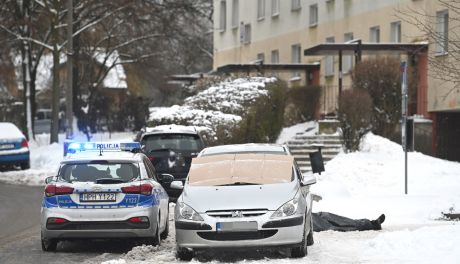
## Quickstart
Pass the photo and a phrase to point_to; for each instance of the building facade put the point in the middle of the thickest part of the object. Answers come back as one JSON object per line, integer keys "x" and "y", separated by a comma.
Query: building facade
{"x": 278, "y": 31}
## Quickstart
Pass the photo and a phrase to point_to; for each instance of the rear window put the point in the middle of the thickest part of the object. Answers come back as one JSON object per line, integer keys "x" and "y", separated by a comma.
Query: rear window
{"x": 163, "y": 142}
{"x": 99, "y": 172}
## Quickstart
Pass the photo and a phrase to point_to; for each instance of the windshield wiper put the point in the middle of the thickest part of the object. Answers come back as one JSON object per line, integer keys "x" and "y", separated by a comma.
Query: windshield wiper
{"x": 239, "y": 183}
{"x": 109, "y": 181}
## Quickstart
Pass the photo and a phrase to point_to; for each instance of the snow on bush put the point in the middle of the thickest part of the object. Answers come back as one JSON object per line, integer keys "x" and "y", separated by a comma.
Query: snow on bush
{"x": 221, "y": 105}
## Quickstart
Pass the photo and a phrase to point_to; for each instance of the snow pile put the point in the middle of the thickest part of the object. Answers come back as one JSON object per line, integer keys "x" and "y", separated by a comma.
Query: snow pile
{"x": 221, "y": 104}
{"x": 45, "y": 158}
{"x": 364, "y": 185}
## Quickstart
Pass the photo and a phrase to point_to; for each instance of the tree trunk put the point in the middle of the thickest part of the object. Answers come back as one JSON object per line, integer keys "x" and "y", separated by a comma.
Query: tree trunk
{"x": 55, "y": 104}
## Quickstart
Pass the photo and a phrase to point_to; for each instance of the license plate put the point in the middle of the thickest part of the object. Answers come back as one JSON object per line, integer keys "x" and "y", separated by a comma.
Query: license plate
{"x": 236, "y": 226}
{"x": 7, "y": 146}
{"x": 98, "y": 197}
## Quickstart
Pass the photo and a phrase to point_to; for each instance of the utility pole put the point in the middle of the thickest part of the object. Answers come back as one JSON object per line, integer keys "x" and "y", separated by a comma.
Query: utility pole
{"x": 69, "y": 92}
{"x": 404, "y": 103}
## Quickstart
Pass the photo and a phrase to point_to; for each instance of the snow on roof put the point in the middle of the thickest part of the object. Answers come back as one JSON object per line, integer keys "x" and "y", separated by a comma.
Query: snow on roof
{"x": 171, "y": 129}
{"x": 8, "y": 131}
{"x": 116, "y": 77}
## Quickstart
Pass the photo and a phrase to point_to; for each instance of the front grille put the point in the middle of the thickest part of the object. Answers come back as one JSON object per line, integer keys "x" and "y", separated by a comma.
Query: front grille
{"x": 236, "y": 213}
{"x": 98, "y": 225}
{"x": 234, "y": 236}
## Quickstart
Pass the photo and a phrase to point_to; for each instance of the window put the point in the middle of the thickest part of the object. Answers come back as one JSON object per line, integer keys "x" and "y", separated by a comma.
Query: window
{"x": 347, "y": 61}
{"x": 275, "y": 56}
{"x": 442, "y": 32}
{"x": 329, "y": 60}
{"x": 395, "y": 31}
{"x": 235, "y": 13}
{"x": 313, "y": 15}
{"x": 246, "y": 33}
{"x": 374, "y": 34}
{"x": 275, "y": 7}
{"x": 261, "y": 57}
{"x": 223, "y": 15}
{"x": 295, "y": 5}
{"x": 260, "y": 9}
{"x": 295, "y": 57}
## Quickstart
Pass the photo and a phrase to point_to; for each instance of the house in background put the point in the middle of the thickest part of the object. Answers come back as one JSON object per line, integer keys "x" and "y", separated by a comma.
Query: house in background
{"x": 282, "y": 31}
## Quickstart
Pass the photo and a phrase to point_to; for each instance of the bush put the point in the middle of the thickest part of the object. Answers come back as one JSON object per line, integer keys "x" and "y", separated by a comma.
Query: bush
{"x": 354, "y": 116}
{"x": 381, "y": 77}
{"x": 302, "y": 104}
{"x": 264, "y": 119}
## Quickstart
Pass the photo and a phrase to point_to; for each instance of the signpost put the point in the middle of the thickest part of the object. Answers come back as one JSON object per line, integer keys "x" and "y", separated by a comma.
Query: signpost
{"x": 404, "y": 104}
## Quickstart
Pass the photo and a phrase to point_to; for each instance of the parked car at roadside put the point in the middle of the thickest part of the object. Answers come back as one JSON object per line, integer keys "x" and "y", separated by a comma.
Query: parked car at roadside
{"x": 103, "y": 191}
{"x": 14, "y": 148}
{"x": 171, "y": 148}
{"x": 244, "y": 196}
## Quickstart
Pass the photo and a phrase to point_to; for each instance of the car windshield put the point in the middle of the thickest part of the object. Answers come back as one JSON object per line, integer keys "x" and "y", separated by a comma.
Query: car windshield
{"x": 99, "y": 172}
{"x": 241, "y": 169}
{"x": 163, "y": 142}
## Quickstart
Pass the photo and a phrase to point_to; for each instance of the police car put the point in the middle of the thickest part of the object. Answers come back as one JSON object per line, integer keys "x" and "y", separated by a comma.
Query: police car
{"x": 104, "y": 190}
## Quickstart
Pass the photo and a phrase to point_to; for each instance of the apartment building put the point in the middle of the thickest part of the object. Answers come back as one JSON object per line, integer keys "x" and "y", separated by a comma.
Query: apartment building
{"x": 282, "y": 31}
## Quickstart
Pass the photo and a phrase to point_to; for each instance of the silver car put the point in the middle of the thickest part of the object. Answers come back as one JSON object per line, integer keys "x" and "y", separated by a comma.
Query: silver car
{"x": 241, "y": 199}
{"x": 104, "y": 194}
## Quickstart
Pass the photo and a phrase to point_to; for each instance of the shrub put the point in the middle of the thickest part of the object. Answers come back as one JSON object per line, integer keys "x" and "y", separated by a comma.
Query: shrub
{"x": 264, "y": 119}
{"x": 354, "y": 116}
{"x": 303, "y": 103}
{"x": 381, "y": 77}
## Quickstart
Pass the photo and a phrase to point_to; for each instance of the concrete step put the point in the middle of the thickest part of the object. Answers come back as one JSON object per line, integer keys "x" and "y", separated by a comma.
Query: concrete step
{"x": 310, "y": 142}
{"x": 315, "y": 137}
{"x": 307, "y": 158}
{"x": 306, "y": 153}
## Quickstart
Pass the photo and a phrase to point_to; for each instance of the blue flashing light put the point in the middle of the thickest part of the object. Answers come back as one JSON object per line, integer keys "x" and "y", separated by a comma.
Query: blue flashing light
{"x": 102, "y": 146}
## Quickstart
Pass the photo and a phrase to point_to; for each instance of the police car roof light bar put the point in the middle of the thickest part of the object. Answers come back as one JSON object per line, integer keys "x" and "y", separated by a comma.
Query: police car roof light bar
{"x": 102, "y": 146}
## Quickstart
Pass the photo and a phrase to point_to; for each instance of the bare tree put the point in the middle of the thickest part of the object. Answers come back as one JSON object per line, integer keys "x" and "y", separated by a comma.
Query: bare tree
{"x": 442, "y": 30}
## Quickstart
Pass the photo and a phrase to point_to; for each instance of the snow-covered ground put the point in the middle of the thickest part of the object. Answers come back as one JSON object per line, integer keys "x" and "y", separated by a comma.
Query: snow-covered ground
{"x": 45, "y": 158}
{"x": 357, "y": 185}
{"x": 364, "y": 185}
{"x": 307, "y": 128}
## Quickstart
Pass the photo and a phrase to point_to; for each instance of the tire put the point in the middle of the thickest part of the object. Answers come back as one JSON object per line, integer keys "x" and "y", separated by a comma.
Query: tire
{"x": 301, "y": 251}
{"x": 49, "y": 244}
{"x": 184, "y": 254}
{"x": 165, "y": 232}
{"x": 25, "y": 165}
{"x": 310, "y": 240}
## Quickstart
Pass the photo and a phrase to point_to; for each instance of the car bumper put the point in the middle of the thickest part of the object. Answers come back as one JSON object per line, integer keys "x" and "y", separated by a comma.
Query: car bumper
{"x": 14, "y": 158}
{"x": 287, "y": 232}
{"x": 98, "y": 223}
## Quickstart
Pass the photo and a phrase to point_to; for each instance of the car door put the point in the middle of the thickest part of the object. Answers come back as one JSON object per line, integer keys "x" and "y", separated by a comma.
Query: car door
{"x": 159, "y": 191}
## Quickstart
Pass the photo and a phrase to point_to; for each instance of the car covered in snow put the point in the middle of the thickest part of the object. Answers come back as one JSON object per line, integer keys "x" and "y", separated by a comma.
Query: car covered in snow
{"x": 104, "y": 190}
{"x": 247, "y": 199}
{"x": 171, "y": 148}
{"x": 14, "y": 148}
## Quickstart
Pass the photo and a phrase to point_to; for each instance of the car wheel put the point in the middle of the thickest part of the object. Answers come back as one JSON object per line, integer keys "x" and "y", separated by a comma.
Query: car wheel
{"x": 49, "y": 244}
{"x": 310, "y": 240}
{"x": 300, "y": 251}
{"x": 25, "y": 165}
{"x": 165, "y": 233}
{"x": 184, "y": 253}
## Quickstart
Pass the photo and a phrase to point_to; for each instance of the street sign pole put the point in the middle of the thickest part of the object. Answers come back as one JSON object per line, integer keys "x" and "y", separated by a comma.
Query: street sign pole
{"x": 404, "y": 104}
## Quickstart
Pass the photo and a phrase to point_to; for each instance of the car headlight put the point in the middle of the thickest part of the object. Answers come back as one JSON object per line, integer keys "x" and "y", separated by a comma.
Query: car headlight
{"x": 289, "y": 208}
{"x": 185, "y": 212}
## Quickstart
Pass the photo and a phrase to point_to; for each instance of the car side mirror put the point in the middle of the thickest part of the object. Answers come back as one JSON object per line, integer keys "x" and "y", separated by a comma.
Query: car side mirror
{"x": 49, "y": 179}
{"x": 178, "y": 185}
{"x": 165, "y": 178}
{"x": 308, "y": 180}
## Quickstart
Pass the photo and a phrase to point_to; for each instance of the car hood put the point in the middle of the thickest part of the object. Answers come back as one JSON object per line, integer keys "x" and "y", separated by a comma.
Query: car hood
{"x": 267, "y": 196}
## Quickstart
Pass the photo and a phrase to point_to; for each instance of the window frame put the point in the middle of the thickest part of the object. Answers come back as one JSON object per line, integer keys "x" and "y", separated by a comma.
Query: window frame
{"x": 275, "y": 12}
{"x": 260, "y": 10}
{"x": 223, "y": 16}
{"x": 329, "y": 69}
{"x": 442, "y": 27}
{"x": 395, "y": 36}
{"x": 313, "y": 14}
{"x": 372, "y": 33}
{"x": 235, "y": 14}
{"x": 296, "y": 5}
